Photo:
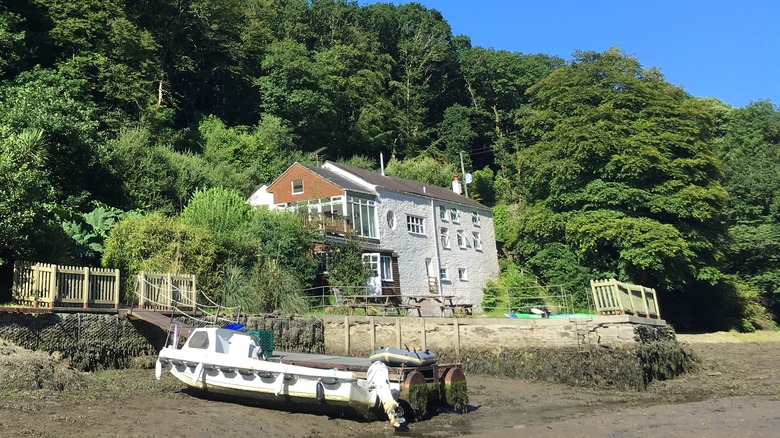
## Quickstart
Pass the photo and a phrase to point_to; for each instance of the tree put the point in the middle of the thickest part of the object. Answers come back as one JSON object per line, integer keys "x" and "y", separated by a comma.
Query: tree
{"x": 157, "y": 243}
{"x": 24, "y": 190}
{"x": 619, "y": 169}
{"x": 750, "y": 152}
{"x": 422, "y": 169}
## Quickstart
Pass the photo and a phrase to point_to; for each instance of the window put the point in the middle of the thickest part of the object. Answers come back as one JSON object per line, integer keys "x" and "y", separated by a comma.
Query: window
{"x": 477, "y": 241}
{"x": 443, "y": 212}
{"x": 445, "y": 237}
{"x": 462, "y": 274}
{"x": 475, "y": 218}
{"x": 387, "y": 268}
{"x": 461, "y": 239}
{"x": 391, "y": 220}
{"x": 415, "y": 224}
{"x": 454, "y": 215}
{"x": 297, "y": 186}
{"x": 372, "y": 261}
{"x": 443, "y": 274}
{"x": 199, "y": 340}
{"x": 363, "y": 215}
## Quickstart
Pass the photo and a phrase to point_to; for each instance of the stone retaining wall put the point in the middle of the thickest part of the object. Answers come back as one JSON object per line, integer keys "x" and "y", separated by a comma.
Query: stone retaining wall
{"x": 616, "y": 351}
{"x": 88, "y": 341}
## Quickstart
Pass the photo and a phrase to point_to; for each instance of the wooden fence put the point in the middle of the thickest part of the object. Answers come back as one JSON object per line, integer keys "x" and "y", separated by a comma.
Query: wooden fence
{"x": 43, "y": 284}
{"x": 612, "y": 297}
{"x": 158, "y": 291}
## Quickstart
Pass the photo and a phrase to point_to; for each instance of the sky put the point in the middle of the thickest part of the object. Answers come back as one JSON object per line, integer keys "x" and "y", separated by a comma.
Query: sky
{"x": 729, "y": 50}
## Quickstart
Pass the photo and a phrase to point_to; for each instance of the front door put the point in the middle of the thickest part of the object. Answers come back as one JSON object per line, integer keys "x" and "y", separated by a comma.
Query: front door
{"x": 374, "y": 282}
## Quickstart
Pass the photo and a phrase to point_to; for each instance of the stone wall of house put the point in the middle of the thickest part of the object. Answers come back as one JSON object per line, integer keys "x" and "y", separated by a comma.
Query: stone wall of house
{"x": 412, "y": 249}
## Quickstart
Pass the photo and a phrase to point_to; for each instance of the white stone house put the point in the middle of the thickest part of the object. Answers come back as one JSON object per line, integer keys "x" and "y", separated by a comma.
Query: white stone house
{"x": 418, "y": 238}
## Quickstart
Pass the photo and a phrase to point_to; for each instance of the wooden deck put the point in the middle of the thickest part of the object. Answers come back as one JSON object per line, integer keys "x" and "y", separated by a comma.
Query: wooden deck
{"x": 160, "y": 320}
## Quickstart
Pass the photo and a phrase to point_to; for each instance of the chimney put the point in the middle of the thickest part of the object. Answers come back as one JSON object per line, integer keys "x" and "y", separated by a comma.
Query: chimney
{"x": 456, "y": 185}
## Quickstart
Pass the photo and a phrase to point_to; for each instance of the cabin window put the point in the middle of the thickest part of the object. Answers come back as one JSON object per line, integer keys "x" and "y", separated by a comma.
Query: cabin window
{"x": 454, "y": 215}
{"x": 199, "y": 340}
{"x": 297, "y": 186}
{"x": 475, "y": 218}
{"x": 443, "y": 274}
{"x": 462, "y": 274}
{"x": 443, "y": 212}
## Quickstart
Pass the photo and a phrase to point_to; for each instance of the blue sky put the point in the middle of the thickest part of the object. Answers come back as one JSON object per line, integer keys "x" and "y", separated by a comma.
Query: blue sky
{"x": 717, "y": 48}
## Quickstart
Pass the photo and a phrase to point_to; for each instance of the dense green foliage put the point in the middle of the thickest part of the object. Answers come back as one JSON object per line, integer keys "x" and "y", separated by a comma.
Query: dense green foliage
{"x": 178, "y": 111}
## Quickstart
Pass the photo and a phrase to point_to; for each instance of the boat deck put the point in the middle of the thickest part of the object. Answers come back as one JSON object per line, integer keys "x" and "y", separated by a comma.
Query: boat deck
{"x": 341, "y": 363}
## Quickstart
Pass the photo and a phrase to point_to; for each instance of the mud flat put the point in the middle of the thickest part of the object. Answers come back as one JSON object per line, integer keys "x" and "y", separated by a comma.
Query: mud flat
{"x": 735, "y": 392}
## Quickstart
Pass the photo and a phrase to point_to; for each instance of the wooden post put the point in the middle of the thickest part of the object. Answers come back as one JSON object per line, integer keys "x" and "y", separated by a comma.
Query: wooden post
{"x": 85, "y": 298}
{"x": 142, "y": 289}
{"x": 424, "y": 335}
{"x": 194, "y": 293}
{"x": 169, "y": 290}
{"x": 346, "y": 335}
{"x": 398, "y": 331}
{"x": 457, "y": 338}
{"x": 53, "y": 292}
{"x": 373, "y": 333}
{"x": 116, "y": 289}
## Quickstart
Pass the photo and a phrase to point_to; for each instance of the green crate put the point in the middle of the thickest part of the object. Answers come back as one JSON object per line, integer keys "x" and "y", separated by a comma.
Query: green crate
{"x": 265, "y": 339}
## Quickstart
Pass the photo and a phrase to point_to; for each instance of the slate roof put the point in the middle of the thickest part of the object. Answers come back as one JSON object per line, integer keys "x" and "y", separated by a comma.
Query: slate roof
{"x": 408, "y": 186}
{"x": 338, "y": 180}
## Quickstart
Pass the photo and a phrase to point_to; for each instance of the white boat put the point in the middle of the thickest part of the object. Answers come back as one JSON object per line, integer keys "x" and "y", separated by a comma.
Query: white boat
{"x": 231, "y": 363}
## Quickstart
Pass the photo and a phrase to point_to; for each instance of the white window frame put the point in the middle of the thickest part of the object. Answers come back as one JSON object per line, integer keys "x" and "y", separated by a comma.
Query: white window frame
{"x": 443, "y": 212}
{"x": 362, "y": 213}
{"x": 463, "y": 275}
{"x": 454, "y": 215}
{"x": 443, "y": 276}
{"x": 415, "y": 224}
{"x": 292, "y": 184}
{"x": 371, "y": 260}
{"x": 444, "y": 233}
{"x": 477, "y": 241}
{"x": 462, "y": 239}
{"x": 386, "y": 268}
{"x": 475, "y": 219}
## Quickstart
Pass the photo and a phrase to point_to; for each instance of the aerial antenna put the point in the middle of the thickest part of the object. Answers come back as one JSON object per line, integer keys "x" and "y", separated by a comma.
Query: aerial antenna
{"x": 316, "y": 154}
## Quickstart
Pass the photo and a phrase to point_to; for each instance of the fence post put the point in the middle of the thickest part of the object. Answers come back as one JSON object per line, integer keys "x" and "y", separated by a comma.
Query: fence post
{"x": 85, "y": 298}
{"x": 194, "y": 293}
{"x": 424, "y": 335}
{"x": 116, "y": 289}
{"x": 169, "y": 289}
{"x": 54, "y": 293}
{"x": 398, "y": 331}
{"x": 346, "y": 335}
{"x": 457, "y": 338}
{"x": 373, "y": 333}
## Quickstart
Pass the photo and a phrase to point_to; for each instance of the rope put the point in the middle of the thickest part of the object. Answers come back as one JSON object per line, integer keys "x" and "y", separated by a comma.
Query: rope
{"x": 215, "y": 320}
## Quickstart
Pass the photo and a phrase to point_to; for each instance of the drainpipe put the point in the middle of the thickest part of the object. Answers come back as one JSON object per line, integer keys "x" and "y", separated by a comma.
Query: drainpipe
{"x": 437, "y": 271}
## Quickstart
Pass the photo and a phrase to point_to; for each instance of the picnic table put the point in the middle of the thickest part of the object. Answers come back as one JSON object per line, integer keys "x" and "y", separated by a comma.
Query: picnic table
{"x": 445, "y": 303}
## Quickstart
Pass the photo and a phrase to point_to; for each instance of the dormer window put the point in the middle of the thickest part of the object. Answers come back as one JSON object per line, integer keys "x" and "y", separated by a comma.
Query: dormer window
{"x": 297, "y": 186}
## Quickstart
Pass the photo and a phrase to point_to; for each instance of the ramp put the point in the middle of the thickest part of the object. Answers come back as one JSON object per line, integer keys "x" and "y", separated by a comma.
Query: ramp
{"x": 160, "y": 320}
